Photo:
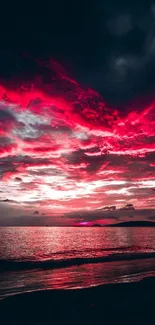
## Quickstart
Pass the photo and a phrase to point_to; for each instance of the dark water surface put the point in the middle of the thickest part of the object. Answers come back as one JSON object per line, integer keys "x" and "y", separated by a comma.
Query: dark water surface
{"x": 43, "y": 258}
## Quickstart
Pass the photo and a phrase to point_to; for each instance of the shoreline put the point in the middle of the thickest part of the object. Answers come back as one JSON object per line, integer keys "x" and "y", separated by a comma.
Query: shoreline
{"x": 123, "y": 303}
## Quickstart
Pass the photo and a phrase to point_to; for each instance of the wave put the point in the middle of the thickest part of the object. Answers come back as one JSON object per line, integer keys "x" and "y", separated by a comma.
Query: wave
{"x": 107, "y": 249}
{"x": 6, "y": 265}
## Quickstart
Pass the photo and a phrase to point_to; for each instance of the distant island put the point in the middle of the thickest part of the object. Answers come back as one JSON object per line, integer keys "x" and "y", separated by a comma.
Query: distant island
{"x": 133, "y": 224}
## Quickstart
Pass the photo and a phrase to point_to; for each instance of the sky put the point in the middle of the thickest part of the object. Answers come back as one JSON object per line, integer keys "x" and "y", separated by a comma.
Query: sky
{"x": 77, "y": 112}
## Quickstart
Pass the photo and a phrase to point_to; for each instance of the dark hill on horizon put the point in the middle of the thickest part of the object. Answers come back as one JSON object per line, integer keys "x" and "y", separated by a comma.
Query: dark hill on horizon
{"x": 133, "y": 224}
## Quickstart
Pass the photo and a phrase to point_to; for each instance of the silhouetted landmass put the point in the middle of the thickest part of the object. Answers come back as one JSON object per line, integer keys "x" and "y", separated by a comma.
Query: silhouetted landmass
{"x": 133, "y": 224}
{"x": 96, "y": 225}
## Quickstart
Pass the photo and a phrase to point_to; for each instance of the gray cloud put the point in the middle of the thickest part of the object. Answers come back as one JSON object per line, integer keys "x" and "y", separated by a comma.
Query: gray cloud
{"x": 5, "y": 115}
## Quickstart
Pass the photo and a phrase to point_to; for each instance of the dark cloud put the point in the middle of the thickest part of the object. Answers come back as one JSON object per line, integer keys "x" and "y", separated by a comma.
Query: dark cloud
{"x": 6, "y": 116}
{"x": 120, "y": 24}
{"x": 152, "y": 217}
{"x": 111, "y": 49}
{"x": 115, "y": 216}
{"x": 36, "y": 212}
{"x": 8, "y": 201}
{"x": 18, "y": 179}
{"x": 125, "y": 54}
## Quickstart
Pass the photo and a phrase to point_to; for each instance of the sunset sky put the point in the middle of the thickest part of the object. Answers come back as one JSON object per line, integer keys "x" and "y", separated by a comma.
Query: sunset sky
{"x": 77, "y": 119}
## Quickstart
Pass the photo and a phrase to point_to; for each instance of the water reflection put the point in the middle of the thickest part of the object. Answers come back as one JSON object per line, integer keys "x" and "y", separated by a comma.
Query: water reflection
{"x": 37, "y": 243}
{"x": 75, "y": 276}
{"x": 41, "y": 243}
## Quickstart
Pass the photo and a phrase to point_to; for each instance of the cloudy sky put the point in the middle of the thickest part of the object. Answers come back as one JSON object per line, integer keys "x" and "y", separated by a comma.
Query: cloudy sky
{"x": 77, "y": 110}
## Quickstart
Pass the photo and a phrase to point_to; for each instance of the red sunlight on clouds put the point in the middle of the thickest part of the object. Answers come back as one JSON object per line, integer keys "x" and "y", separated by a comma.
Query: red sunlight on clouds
{"x": 63, "y": 150}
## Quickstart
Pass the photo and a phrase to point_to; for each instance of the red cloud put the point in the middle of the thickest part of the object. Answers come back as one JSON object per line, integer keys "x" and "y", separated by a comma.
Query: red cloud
{"x": 69, "y": 150}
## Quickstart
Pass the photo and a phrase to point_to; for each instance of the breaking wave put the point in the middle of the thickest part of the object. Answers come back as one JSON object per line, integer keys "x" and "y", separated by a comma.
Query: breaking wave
{"x": 113, "y": 254}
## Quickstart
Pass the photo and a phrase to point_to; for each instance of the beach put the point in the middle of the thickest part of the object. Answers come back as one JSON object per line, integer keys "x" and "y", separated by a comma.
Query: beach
{"x": 127, "y": 303}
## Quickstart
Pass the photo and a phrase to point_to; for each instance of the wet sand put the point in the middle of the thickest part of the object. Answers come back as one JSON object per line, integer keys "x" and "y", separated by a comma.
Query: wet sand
{"x": 127, "y": 303}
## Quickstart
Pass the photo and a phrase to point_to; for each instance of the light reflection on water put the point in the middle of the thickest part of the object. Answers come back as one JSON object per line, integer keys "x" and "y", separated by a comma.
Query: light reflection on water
{"x": 83, "y": 276}
{"x": 40, "y": 243}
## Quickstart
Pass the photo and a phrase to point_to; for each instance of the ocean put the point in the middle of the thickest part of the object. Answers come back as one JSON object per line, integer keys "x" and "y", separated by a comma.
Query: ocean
{"x": 44, "y": 258}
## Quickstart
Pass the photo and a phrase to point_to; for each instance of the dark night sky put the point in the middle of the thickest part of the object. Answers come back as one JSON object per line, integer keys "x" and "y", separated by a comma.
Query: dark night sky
{"x": 108, "y": 45}
{"x": 108, "y": 48}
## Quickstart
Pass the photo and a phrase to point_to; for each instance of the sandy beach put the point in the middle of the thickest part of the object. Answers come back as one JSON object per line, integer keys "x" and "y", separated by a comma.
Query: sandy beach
{"x": 128, "y": 303}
